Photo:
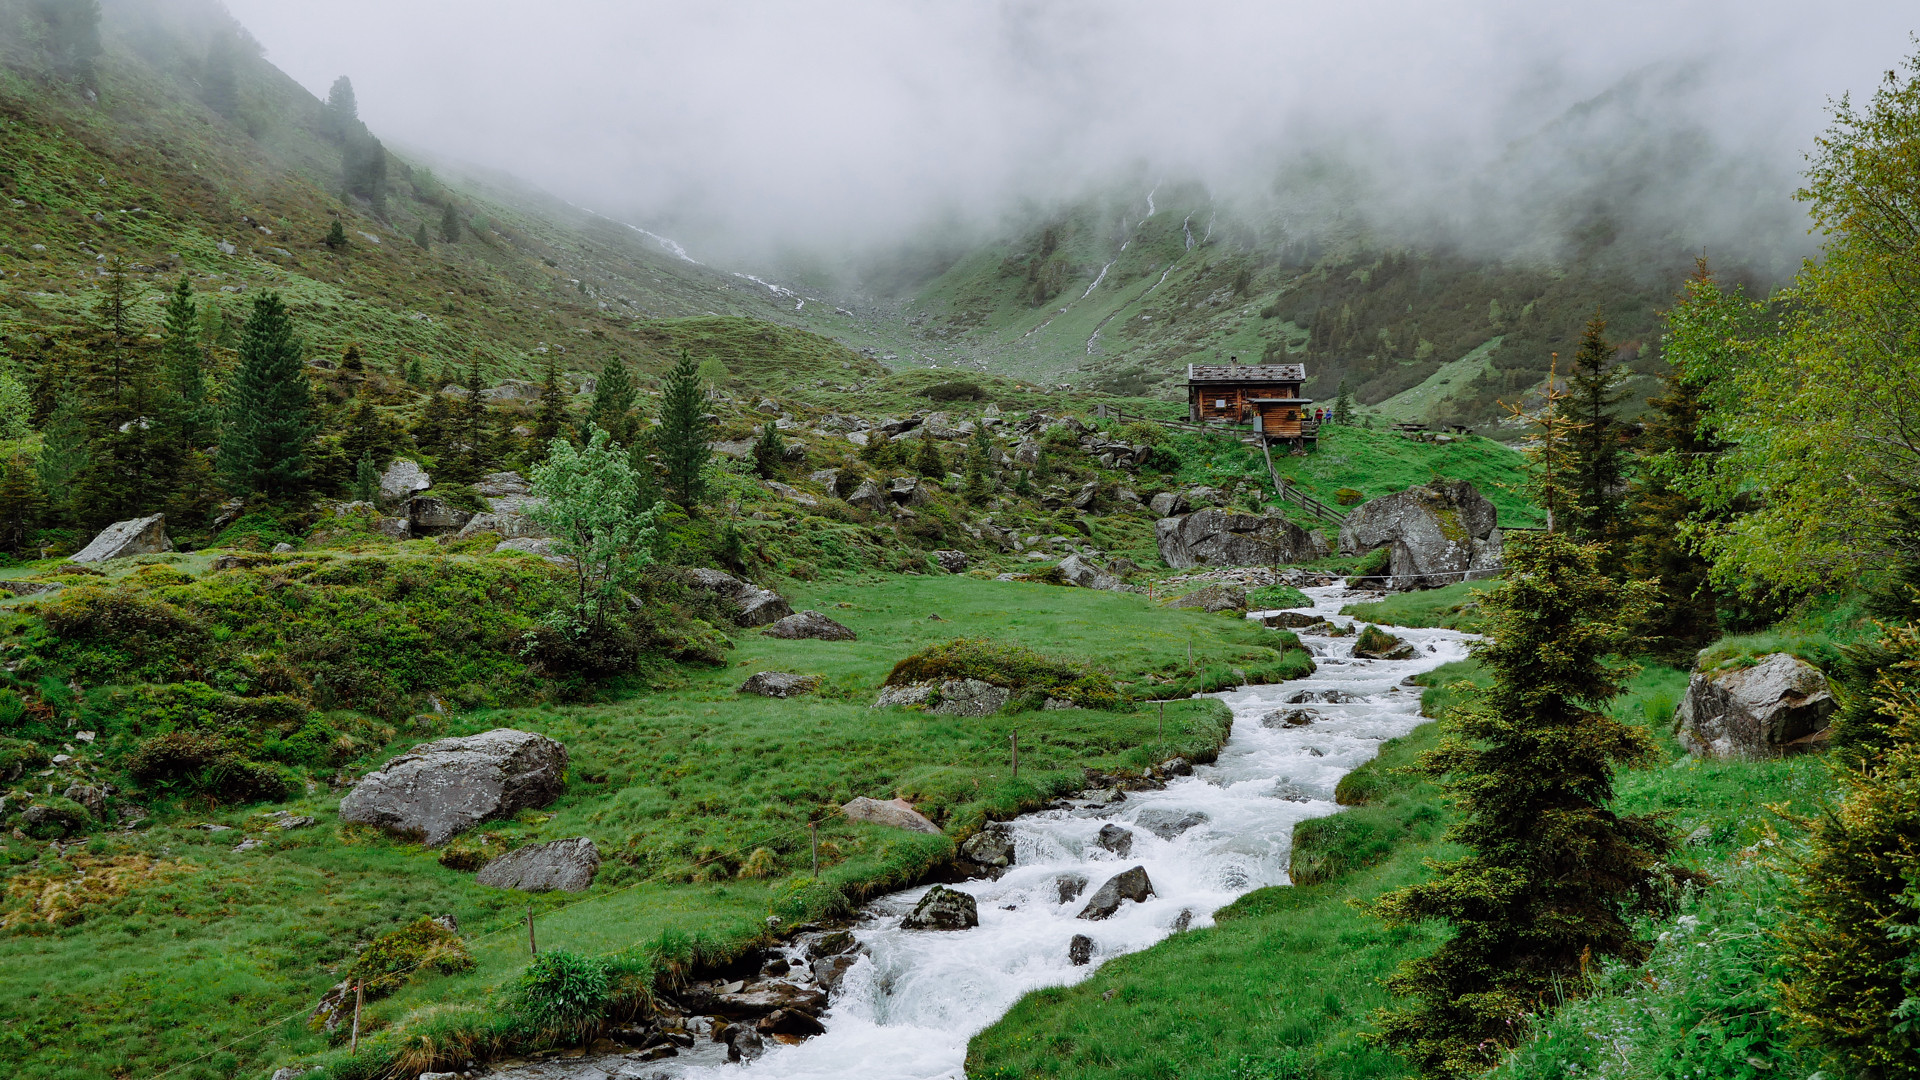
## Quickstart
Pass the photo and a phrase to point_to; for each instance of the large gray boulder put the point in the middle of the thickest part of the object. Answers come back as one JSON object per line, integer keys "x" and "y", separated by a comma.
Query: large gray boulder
{"x": 1126, "y": 885}
{"x": 563, "y": 865}
{"x": 1436, "y": 534}
{"x": 1778, "y": 706}
{"x": 1225, "y": 538}
{"x": 894, "y": 813}
{"x": 780, "y": 684}
{"x": 430, "y": 516}
{"x": 809, "y": 624}
{"x": 508, "y": 526}
{"x": 758, "y": 606}
{"x": 440, "y": 789}
{"x": 868, "y": 496}
{"x": 402, "y": 479}
{"x": 943, "y": 909}
{"x": 1213, "y": 598}
{"x": 971, "y": 697}
{"x": 1079, "y": 571}
{"x": 135, "y": 536}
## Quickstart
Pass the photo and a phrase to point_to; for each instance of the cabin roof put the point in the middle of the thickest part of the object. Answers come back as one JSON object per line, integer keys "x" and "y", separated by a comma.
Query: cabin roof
{"x": 1246, "y": 373}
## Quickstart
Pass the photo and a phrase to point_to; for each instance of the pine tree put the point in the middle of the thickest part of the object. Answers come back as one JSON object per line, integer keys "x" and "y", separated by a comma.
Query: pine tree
{"x": 63, "y": 451}
{"x": 614, "y": 396}
{"x": 1343, "y": 405}
{"x": 415, "y": 373}
{"x": 336, "y": 237}
{"x": 421, "y": 239}
{"x": 683, "y": 434}
{"x": 551, "y": 418}
{"x": 368, "y": 432}
{"x": 350, "y": 358}
{"x": 20, "y": 504}
{"x": 1675, "y": 453}
{"x": 979, "y": 454}
{"x": 1552, "y": 878}
{"x": 1852, "y": 944}
{"x": 218, "y": 85}
{"x": 183, "y": 369}
{"x": 116, "y": 299}
{"x": 769, "y": 452}
{"x": 928, "y": 462}
{"x": 1550, "y": 456}
{"x": 474, "y": 434}
{"x": 449, "y": 224}
{"x": 133, "y": 462}
{"x": 268, "y": 419}
{"x": 342, "y": 114}
{"x": 433, "y": 428}
{"x": 366, "y": 480}
{"x": 1596, "y": 456}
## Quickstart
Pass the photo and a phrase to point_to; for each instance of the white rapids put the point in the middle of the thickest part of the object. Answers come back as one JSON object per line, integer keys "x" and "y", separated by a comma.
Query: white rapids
{"x": 906, "y": 1010}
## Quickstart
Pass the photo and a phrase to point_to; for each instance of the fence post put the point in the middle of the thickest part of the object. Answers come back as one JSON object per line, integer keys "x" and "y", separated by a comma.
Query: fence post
{"x": 359, "y": 989}
{"x": 1015, "y": 738}
{"x": 532, "y": 946}
{"x": 813, "y": 838}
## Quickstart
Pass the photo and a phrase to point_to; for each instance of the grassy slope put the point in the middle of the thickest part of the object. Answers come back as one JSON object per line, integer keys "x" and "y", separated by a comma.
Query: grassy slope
{"x": 1289, "y": 975}
{"x": 1450, "y": 606}
{"x": 1377, "y": 463}
{"x": 678, "y": 787}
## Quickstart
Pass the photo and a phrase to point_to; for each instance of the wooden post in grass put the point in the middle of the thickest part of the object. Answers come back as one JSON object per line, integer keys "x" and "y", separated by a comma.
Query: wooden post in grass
{"x": 1189, "y": 656}
{"x": 1162, "y": 736}
{"x": 813, "y": 838}
{"x": 532, "y": 946}
{"x": 359, "y": 989}
{"x": 1015, "y": 737}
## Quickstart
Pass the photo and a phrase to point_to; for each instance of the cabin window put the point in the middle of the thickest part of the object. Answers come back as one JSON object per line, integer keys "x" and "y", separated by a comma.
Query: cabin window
{"x": 1219, "y": 403}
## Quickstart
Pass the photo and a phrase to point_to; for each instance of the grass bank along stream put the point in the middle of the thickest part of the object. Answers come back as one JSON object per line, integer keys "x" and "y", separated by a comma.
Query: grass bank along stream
{"x": 697, "y": 796}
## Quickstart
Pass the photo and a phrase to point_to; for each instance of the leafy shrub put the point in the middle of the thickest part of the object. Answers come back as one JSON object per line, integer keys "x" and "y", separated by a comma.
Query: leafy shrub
{"x": 195, "y": 706}
{"x": 581, "y": 650}
{"x": 156, "y": 576}
{"x": 207, "y": 765}
{"x": 257, "y": 531}
{"x": 18, "y": 756}
{"x": 122, "y": 635}
{"x": 58, "y": 817}
{"x": 424, "y": 943}
{"x": 1013, "y": 666}
{"x": 563, "y": 992}
{"x": 962, "y": 390}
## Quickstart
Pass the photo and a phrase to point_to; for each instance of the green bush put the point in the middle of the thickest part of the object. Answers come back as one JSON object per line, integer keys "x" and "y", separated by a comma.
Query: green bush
{"x": 563, "y": 992}
{"x": 423, "y": 944}
{"x": 1013, "y": 666}
{"x": 258, "y": 531}
{"x": 207, "y": 765}
{"x": 121, "y": 635}
{"x": 18, "y": 756}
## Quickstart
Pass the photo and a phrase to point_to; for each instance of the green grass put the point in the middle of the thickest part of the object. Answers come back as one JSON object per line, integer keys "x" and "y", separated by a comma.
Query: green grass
{"x": 682, "y": 788}
{"x": 1453, "y": 607}
{"x": 1377, "y": 463}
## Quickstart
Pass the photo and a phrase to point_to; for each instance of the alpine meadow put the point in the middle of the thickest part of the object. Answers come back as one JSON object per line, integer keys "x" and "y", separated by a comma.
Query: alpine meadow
{"x": 921, "y": 542}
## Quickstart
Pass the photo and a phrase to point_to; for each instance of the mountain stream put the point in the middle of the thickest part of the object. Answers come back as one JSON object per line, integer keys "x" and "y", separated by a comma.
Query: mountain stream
{"x": 910, "y": 1002}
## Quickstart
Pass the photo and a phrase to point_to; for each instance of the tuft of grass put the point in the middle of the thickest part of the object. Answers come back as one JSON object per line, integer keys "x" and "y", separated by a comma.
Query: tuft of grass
{"x": 1451, "y": 607}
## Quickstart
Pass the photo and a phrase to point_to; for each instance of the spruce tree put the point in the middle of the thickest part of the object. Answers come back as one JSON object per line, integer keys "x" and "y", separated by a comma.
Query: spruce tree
{"x": 20, "y": 504}
{"x": 449, "y": 224}
{"x": 342, "y": 109}
{"x": 979, "y": 455}
{"x": 366, "y": 480}
{"x": 769, "y": 452}
{"x": 1343, "y": 405}
{"x": 63, "y": 452}
{"x": 434, "y": 426}
{"x": 1852, "y": 943}
{"x": 928, "y": 462}
{"x": 474, "y": 433}
{"x": 551, "y": 417}
{"x": 1596, "y": 455}
{"x": 683, "y": 434}
{"x": 113, "y": 308}
{"x": 336, "y": 237}
{"x": 421, "y": 239}
{"x": 614, "y": 396}
{"x": 268, "y": 416}
{"x": 350, "y": 358}
{"x": 183, "y": 368}
{"x": 1553, "y": 877}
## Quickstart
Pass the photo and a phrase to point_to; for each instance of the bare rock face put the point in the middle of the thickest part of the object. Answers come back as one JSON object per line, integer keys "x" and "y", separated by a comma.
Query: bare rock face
{"x": 1116, "y": 839}
{"x": 991, "y": 847}
{"x": 1289, "y": 718}
{"x": 1088, "y": 576}
{"x": 1126, "y": 885}
{"x": 508, "y": 526}
{"x": 564, "y": 865}
{"x": 971, "y": 697}
{"x": 442, "y": 788}
{"x": 943, "y": 909}
{"x": 896, "y": 813}
{"x": 909, "y": 491}
{"x": 1289, "y": 620}
{"x": 502, "y": 484}
{"x": 898, "y": 697}
{"x": 1436, "y": 534}
{"x": 1225, "y": 538}
{"x": 809, "y": 624}
{"x": 402, "y": 479}
{"x": 1080, "y": 950}
{"x": 532, "y": 545}
{"x": 135, "y": 536}
{"x": 1168, "y": 504}
{"x": 780, "y": 684}
{"x": 953, "y": 562}
{"x": 1167, "y": 824}
{"x": 1778, "y": 706}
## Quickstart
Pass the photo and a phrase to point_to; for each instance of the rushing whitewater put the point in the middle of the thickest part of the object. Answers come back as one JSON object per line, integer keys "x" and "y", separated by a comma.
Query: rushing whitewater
{"x": 906, "y": 1010}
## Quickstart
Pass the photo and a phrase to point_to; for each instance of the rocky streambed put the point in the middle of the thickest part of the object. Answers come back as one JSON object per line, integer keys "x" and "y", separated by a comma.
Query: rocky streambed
{"x": 897, "y": 995}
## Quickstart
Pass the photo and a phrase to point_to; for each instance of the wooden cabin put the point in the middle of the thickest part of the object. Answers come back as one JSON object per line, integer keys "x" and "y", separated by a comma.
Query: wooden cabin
{"x": 1265, "y": 397}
